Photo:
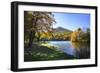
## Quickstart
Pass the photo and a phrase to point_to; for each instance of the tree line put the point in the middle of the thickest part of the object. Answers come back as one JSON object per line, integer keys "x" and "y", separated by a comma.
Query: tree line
{"x": 38, "y": 26}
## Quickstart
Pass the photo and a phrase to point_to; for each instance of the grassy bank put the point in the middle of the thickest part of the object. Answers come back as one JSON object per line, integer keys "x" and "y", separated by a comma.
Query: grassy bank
{"x": 44, "y": 52}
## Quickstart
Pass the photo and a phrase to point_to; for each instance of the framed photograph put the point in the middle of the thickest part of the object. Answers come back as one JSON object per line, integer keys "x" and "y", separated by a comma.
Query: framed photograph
{"x": 52, "y": 36}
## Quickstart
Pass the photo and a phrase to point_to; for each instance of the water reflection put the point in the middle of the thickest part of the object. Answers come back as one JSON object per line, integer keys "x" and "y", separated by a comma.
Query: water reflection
{"x": 82, "y": 50}
{"x": 77, "y": 49}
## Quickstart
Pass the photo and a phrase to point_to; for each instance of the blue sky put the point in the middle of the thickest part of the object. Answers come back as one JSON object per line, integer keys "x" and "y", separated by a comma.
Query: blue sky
{"x": 72, "y": 21}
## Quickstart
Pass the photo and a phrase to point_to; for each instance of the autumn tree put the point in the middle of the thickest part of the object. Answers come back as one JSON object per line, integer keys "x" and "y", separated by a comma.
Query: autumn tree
{"x": 80, "y": 36}
{"x": 75, "y": 36}
{"x": 35, "y": 23}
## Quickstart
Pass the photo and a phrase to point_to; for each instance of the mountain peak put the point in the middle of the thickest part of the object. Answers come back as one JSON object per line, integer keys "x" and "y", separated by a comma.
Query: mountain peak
{"x": 61, "y": 29}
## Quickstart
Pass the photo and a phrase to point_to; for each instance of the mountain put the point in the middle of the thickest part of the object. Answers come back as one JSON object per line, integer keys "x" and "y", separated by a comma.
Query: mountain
{"x": 61, "y": 29}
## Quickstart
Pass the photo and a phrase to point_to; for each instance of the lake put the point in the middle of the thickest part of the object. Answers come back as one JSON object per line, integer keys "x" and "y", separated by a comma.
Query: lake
{"x": 78, "y": 50}
{"x": 57, "y": 50}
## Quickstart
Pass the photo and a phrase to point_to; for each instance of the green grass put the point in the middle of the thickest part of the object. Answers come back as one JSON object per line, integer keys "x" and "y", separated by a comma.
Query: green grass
{"x": 44, "y": 53}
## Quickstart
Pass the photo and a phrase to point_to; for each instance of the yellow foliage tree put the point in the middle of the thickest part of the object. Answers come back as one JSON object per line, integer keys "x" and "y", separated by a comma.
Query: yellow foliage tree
{"x": 75, "y": 36}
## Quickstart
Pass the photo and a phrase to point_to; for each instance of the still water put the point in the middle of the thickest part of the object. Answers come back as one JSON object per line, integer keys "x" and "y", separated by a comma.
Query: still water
{"x": 77, "y": 50}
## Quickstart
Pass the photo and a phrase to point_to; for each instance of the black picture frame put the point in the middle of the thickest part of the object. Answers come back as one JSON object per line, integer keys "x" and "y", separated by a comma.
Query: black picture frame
{"x": 14, "y": 35}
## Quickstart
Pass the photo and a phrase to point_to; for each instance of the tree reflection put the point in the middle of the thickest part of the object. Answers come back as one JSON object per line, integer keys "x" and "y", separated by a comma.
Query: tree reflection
{"x": 82, "y": 50}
